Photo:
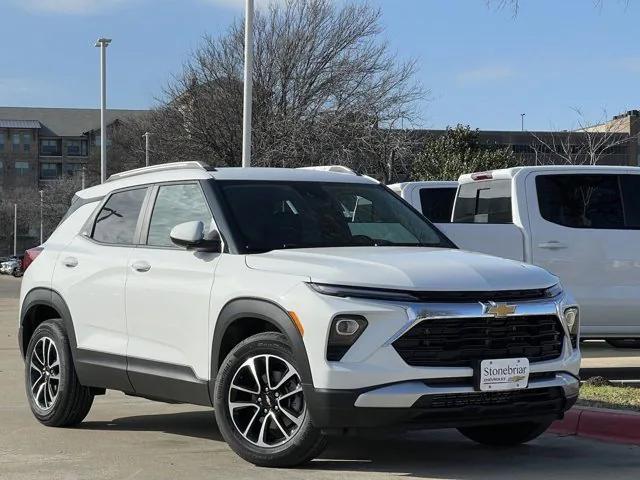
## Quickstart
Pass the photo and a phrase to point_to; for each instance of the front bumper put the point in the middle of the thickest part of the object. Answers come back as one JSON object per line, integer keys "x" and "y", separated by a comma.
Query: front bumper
{"x": 424, "y": 404}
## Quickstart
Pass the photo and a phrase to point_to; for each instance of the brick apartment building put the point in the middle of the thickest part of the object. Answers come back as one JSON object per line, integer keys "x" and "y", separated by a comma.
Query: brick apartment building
{"x": 42, "y": 144}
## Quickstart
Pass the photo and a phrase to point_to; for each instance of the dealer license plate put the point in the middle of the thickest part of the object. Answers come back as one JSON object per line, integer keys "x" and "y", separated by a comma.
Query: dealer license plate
{"x": 504, "y": 374}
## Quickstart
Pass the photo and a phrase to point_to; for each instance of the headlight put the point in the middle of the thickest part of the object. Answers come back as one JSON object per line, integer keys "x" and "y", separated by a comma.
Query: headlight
{"x": 572, "y": 320}
{"x": 362, "y": 292}
{"x": 553, "y": 291}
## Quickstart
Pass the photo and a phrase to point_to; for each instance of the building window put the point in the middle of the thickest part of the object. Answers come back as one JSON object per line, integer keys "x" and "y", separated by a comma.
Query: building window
{"x": 1, "y": 141}
{"x": 22, "y": 168}
{"x": 76, "y": 148}
{"x": 16, "y": 142}
{"x": 72, "y": 169}
{"x": 51, "y": 147}
{"x": 50, "y": 171}
{"x": 26, "y": 142}
{"x": 1, "y": 168}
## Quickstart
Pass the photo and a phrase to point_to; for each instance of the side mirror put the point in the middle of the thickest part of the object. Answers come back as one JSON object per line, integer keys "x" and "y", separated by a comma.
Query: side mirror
{"x": 190, "y": 235}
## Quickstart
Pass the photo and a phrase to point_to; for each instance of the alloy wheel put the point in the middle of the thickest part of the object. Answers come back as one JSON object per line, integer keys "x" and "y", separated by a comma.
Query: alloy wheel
{"x": 266, "y": 401}
{"x": 44, "y": 373}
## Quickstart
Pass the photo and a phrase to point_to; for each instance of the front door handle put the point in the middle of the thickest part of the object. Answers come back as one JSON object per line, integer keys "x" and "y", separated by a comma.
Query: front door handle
{"x": 141, "y": 266}
{"x": 70, "y": 262}
{"x": 552, "y": 245}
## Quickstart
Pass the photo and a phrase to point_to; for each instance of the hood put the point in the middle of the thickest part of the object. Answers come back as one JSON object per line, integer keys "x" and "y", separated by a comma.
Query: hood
{"x": 433, "y": 269}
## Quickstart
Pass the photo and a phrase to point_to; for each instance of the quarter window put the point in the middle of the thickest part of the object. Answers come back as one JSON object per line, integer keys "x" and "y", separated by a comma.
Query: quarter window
{"x": 437, "y": 203}
{"x": 117, "y": 220}
{"x": 583, "y": 201}
{"x": 484, "y": 202}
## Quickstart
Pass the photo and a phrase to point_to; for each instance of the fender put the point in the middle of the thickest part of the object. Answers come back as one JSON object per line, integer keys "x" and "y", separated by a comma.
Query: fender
{"x": 50, "y": 298}
{"x": 264, "y": 310}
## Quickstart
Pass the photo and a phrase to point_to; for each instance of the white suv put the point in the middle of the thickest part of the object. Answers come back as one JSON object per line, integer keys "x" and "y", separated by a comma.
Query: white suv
{"x": 298, "y": 304}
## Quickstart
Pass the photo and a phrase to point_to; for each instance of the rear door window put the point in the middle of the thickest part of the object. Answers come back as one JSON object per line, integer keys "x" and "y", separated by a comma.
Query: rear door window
{"x": 484, "y": 202}
{"x": 582, "y": 201}
{"x": 437, "y": 203}
{"x": 117, "y": 220}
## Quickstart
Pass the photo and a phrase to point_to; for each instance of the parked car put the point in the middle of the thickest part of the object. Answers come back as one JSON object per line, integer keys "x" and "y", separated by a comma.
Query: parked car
{"x": 297, "y": 303}
{"x": 11, "y": 266}
{"x": 580, "y": 222}
{"x": 434, "y": 198}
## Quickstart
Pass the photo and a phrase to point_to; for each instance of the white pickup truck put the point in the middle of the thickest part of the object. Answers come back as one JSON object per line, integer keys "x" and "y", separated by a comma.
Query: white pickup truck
{"x": 580, "y": 222}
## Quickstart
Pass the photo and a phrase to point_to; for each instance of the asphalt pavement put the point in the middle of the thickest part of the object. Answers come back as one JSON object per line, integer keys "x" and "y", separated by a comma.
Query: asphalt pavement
{"x": 130, "y": 438}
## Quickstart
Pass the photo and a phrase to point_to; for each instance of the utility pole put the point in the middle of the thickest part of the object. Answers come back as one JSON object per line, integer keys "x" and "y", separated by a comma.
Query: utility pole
{"x": 146, "y": 148}
{"x": 15, "y": 229}
{"x": 102, "y": 43}
{"x": 522, "y": 120}
{"x": 41, "y": 220}
{"x": 248, "y": 83}
{"x": 83, "y": 167}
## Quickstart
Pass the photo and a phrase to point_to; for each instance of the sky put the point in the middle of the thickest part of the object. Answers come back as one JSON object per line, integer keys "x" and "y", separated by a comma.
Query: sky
{"x": 482, "y": 67}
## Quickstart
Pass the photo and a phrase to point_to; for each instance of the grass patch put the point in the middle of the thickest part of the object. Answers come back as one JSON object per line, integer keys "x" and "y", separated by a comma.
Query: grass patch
{"x": 619, "y": 398}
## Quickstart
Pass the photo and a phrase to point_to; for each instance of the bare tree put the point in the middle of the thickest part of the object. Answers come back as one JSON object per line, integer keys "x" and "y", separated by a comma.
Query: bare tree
{"x": 588, "y": 144}
{"x": 327, "y": 90}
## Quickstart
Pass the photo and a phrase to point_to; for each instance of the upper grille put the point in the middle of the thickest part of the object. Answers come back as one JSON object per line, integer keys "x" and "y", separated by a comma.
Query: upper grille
{"x": 459, "y": 342}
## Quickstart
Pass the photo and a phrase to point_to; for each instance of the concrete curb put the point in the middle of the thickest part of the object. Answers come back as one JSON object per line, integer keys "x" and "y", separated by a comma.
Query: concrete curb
{"x": 616, "y": 426}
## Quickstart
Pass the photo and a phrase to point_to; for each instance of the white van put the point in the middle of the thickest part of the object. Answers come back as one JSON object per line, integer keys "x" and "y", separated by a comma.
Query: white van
{"x": 580, "y": 222}
{"x": 433, "y": 199}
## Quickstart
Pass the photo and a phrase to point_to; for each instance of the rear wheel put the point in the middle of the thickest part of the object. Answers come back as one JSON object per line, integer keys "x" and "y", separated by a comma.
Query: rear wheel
{"x": 260, "y": 406}
{"x": 505, "y": 435}
{"x": 624, "y": 342}
{"x": 55, "y": 395}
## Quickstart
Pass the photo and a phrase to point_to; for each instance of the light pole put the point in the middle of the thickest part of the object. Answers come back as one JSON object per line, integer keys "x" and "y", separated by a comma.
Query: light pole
{"x": 15, "y": 229}
{"x": 83, "y": 167}
{"x": 102, "y": 43}
{"x": 146, "y": 148}
{"x": 522, "y": 120}
{"x": 41, "y": 221}
{"x": 248, "y": 84}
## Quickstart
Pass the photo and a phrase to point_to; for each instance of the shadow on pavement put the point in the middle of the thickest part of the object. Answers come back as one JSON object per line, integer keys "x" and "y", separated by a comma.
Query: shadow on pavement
{"x": 190, "y": 424}
{"x": 426, "y": 454}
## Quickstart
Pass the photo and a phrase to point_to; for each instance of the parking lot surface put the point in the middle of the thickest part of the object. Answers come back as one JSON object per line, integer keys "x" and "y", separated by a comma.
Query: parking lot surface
{"x": 130, "y": 438}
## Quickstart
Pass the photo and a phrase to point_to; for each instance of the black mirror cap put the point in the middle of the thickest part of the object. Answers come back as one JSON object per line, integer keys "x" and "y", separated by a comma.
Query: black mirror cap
{"x": 210, "y": 242}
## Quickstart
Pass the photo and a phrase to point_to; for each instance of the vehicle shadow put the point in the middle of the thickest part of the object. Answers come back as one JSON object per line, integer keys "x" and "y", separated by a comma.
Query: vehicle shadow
{"x": 425, "y": 454}
{"x": 198, "y": 424}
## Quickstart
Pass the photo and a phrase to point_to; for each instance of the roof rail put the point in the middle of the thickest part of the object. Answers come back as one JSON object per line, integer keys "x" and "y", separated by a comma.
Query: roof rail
{"x": 159, "y": 168}
{"x": 331, "y": 168}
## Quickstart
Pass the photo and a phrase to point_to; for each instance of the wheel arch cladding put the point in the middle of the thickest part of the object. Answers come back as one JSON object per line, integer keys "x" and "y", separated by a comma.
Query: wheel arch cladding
{"x": 39, "y": 305}
{"x": 258, "y": 312}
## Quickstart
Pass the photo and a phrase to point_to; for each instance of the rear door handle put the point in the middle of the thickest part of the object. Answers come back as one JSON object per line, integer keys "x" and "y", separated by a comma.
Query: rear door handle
{"x": 141, "y": 266}
{"x": 552, "y": 245}
{"x": 70, "y": 262}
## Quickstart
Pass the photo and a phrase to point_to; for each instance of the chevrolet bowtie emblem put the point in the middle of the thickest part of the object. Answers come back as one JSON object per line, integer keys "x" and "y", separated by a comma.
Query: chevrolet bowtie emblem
{"x": 499, "y": 309}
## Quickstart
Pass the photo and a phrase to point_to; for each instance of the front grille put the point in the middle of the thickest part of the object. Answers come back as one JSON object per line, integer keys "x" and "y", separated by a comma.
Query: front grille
{"x": 460, "y": 342}
{"x": 462, "y": 406}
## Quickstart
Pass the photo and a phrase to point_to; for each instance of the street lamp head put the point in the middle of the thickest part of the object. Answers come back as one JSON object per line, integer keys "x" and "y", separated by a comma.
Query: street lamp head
{"x": 103, "y": 41}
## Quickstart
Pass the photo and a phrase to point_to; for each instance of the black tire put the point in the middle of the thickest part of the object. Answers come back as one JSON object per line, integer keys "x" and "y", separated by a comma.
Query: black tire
{"x": 505, "y": 435}
{"x": 303, "y": 445}
{"x": 73, "y": 401}
{"x": 624, "y": 342}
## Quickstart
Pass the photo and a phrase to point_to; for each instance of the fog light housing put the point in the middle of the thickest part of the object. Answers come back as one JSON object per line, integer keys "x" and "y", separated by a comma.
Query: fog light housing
{"x": 572, "y": 320}
{"x": 343, "y": 333}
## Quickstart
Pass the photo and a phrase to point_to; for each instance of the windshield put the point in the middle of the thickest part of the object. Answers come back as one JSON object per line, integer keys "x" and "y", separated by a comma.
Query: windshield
{"x": 278, "y": 215}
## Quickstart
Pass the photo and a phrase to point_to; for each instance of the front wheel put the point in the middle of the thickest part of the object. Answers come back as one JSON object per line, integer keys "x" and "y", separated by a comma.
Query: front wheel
{"x": 260, "y": 406}
{"x": 505, "y": 435}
